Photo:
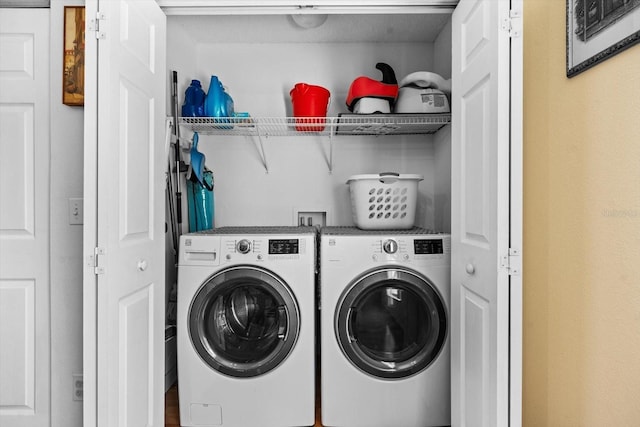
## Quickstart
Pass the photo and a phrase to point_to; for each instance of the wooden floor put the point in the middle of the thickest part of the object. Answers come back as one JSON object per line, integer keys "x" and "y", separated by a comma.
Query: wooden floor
{"x": 171, "y": 409}
{"x": 172, "y": 412}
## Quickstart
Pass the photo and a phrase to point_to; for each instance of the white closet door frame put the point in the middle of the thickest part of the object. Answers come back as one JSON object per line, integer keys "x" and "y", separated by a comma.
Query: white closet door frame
{"x": 516, "y": 214}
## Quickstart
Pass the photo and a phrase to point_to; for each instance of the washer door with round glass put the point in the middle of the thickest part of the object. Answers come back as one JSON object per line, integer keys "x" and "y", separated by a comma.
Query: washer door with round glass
{"x": 391, "y": 323}
{"x": 244, "y": 321}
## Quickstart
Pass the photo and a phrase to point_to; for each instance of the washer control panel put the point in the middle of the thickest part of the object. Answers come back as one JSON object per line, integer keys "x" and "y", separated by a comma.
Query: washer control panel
{"x": 284, "y": 246}
{"x": 262, "y": 248}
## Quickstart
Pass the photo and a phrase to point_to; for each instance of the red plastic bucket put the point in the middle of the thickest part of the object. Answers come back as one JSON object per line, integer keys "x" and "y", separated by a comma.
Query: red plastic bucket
{"x": 309, "y": 106}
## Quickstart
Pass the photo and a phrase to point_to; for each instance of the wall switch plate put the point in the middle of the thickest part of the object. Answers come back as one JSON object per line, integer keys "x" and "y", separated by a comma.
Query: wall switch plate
{"x": 78, "y": 387}
{"x": 76, "y": 211}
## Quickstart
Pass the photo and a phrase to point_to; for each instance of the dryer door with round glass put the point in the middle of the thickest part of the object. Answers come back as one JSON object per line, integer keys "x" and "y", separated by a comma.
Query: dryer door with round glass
{"x": 391, "y": 323}
{"x": 244, "y": 321}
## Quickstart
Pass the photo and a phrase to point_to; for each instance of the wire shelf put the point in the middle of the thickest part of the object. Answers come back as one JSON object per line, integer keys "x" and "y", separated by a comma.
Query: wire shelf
{"x": 344, "y": 124}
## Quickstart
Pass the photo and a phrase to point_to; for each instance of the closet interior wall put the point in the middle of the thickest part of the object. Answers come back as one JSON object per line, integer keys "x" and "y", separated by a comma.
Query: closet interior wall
{"x": 259, "y": 59}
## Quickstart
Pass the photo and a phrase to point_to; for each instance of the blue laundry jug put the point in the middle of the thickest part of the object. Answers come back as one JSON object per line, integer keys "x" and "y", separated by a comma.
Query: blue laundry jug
{"x": 193, "y": 100}
{"x": 218, "y": 103}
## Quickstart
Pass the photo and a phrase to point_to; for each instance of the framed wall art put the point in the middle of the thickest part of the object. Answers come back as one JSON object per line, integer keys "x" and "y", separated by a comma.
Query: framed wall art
{"x": 73, "y": 60}
{"x": 599, "y": 29}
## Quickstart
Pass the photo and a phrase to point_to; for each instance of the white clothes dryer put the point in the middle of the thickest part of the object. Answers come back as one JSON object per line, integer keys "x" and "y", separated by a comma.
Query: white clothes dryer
{"x": 384, "y": 303}
{"x": 246, "y": 327}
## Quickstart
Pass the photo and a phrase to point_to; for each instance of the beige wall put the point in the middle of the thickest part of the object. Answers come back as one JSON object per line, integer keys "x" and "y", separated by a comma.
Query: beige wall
{"x": 582, "y": 232}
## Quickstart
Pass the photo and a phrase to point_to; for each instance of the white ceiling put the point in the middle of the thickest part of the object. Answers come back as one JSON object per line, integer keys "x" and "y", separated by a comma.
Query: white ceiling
{"x": 337, "y": 28}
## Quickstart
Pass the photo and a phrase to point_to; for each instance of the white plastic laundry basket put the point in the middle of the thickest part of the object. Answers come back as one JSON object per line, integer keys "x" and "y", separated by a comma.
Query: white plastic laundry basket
{"x": 384, "y": 201}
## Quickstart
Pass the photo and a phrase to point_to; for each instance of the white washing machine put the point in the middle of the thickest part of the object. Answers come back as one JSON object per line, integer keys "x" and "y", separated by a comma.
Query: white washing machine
{"x": 246, "y": 327}
{"x": 384, "y": 303}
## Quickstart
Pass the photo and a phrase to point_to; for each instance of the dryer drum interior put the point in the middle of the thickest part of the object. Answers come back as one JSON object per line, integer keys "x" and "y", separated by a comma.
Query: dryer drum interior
{"x": 391, "y": 323}
{"x": 244, "y": 321}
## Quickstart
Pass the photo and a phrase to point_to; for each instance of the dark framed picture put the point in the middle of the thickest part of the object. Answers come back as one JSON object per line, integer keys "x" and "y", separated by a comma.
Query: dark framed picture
{"x": 73, "y": 59}
{"x": 599, "y": 29}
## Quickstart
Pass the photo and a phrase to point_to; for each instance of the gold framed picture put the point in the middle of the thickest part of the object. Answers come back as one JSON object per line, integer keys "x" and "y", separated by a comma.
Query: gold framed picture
{"x": 73, "y": 59}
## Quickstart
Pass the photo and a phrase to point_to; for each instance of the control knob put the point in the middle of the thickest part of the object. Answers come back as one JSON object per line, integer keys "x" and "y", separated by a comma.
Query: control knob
{"x": 243, "y": 246}
{"x": 390, "y": 246}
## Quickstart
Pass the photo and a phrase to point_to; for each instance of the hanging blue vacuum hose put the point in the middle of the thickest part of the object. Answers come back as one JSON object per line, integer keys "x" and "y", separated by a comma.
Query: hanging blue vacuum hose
{"x": 199, "y": 191}
{"x": 201, "y": 203}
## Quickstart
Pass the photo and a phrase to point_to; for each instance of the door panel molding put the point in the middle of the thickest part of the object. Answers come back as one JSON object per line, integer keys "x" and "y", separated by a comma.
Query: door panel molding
{"x": 17, "y": 158}
{"x": 17, "y": 360}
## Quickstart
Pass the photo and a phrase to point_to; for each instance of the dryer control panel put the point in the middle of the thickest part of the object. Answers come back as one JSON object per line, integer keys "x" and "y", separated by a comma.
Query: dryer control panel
{"x": 428, "y": 246}
{"x": 412, "y": 249}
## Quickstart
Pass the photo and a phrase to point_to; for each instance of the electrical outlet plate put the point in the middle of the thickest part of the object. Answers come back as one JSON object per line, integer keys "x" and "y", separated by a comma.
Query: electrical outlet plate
{"x": 78, "y": 387}
{"x": 310, "y": 217}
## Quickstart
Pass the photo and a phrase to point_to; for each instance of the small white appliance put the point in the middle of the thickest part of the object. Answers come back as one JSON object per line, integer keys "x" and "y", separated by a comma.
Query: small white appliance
{"x": 414, "y": 99}
{"x": 423, "y": 92}
{"x": 384, "y": 303}
{"x": 246, "y": 327}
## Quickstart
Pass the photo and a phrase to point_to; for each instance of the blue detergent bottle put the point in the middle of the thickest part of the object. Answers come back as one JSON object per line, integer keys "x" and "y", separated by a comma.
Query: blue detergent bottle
{"x": 194, "y": 98}
{"x": 218, "y": 103}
